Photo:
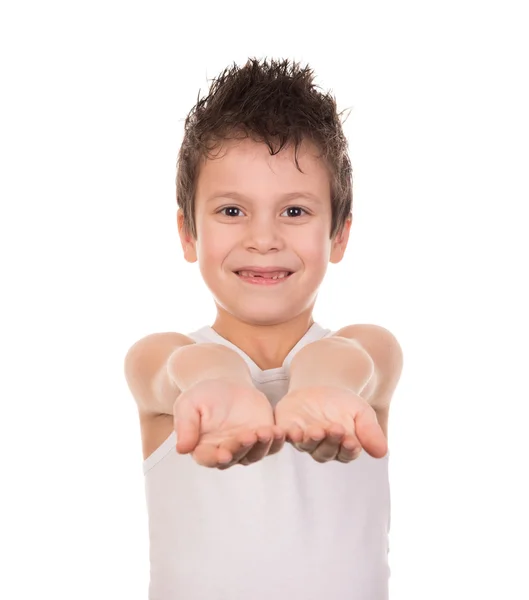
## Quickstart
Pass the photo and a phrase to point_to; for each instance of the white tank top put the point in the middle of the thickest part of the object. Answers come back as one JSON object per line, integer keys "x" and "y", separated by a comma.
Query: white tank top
{"x": 284, "y": 528}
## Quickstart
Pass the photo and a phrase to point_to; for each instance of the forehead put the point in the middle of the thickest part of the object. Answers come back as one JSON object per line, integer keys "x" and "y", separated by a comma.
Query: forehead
{"x": 247, "y": 167}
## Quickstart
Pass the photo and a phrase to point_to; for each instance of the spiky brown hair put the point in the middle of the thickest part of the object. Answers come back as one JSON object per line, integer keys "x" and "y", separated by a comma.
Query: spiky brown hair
{"x": 275, "y": 102}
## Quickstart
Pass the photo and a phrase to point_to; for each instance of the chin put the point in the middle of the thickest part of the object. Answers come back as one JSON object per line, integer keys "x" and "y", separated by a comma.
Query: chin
{"x": 261, "y": 316}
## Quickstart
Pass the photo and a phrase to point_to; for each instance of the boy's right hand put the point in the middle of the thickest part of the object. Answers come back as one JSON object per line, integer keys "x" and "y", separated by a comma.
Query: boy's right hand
{"x": 223, "y": 423}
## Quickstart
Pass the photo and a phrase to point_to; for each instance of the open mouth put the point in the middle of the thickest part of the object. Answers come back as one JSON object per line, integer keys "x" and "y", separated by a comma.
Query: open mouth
{"x": 272, "y": 276}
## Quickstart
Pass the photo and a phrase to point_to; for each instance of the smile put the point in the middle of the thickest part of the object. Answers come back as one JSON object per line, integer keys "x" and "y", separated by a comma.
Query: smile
{"x": 263, "y": 278}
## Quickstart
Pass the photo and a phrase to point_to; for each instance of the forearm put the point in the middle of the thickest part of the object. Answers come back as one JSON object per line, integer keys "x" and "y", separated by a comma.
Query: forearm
{"x": 194, "y": 363}
{"x": 333, "y": 361}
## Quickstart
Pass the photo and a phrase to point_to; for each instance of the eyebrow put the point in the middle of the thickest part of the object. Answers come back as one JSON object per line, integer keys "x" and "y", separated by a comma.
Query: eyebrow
{"x": 283, "y": 197}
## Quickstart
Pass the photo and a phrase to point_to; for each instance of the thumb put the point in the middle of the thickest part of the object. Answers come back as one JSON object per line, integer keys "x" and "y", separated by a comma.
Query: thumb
{"x": 187, "y": 426}
{"x": 370, "y": 434}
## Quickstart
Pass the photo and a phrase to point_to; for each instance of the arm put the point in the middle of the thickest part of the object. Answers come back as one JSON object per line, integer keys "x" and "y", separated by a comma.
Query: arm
{"x": 162, "y": 365}
{"x": 366, "y": 359}
{"x": 388, "y": 361}
{"x": 191, "y": 364}
{"x": 336, "y": 361}
{"x": 219, "y": 416}
{"x": 340, "y": 389}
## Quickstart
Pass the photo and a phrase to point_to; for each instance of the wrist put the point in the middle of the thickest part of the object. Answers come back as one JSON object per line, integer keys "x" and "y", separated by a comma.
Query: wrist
{"x": 192, "y": 364}
{"x": 335, "y": 361}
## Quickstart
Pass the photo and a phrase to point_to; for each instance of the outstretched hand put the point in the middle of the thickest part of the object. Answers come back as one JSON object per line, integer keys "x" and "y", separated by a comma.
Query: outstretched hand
{"x": 330, "y": 423}
{"x": 223, "y": 423}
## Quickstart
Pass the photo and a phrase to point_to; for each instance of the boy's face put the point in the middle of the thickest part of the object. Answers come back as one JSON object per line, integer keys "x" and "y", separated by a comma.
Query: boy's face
{"x": 261, "y": 227}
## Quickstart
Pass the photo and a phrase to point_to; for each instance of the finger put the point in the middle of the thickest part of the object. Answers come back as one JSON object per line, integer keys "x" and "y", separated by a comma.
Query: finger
{"x": 329, "y": 447}
{"x": 186, "y": 422}
{"x": 257, "y": 452}
{"x": 239, "y": 446}
{"x": 260, "y": 449}
{"x": 254, "y": 451}
{"x": 277, "y": 443}
{"x": 294, "y": 434}
{"x": 210, "y": 455}
{"x": 349, "y": 451}
{"x": 350, "y": 441}
{"x": 243, "y": 451}
{"x": 243, "y": 456}
{"x": 278, "y": 440}
{"x": 312, "y": 438}
{"x": 370, "y": 434}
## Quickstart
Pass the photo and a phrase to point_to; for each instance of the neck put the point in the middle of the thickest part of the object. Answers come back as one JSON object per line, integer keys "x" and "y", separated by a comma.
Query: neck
{"x": 266, "y": 344}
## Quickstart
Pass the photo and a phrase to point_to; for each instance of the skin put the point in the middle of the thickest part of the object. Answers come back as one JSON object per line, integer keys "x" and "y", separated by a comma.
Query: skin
{"x": 260, "y": 227}
{"x": 264, "y": 322}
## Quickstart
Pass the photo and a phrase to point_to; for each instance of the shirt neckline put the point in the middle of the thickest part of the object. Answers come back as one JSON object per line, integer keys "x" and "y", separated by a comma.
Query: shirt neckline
{"x": 314, "y": 332}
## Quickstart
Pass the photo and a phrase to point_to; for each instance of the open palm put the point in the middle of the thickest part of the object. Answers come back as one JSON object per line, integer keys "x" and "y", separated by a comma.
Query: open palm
{"x": 330, "y": 423}
{"x": 222, "y": 423}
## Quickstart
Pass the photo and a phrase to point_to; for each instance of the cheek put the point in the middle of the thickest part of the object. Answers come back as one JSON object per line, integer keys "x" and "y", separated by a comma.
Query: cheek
{"x": 212, "y": 245}
{"x": 314, "y": 249}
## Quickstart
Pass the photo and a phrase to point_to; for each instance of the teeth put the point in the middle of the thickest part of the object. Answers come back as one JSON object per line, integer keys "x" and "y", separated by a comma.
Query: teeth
{"x": 250, "y": 274}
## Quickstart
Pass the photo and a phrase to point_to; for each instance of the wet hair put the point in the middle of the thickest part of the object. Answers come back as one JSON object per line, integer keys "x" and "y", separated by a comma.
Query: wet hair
{"x": 275, "y": 102}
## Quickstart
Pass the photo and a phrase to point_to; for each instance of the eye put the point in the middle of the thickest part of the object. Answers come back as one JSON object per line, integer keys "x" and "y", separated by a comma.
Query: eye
{"x": 231, "y": 208}
{"x": 295, "y": 208}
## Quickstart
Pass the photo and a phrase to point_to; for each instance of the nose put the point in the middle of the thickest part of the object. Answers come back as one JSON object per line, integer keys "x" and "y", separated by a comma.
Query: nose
{"x": 263, "y": 235}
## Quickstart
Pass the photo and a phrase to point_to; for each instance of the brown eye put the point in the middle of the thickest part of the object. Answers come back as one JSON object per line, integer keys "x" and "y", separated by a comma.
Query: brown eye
{"x": 295, "y": 208}
{"x": 229, "y": 208}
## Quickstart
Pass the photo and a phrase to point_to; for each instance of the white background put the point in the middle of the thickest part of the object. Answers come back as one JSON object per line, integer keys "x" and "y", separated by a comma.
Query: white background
{"x": 93, "y": 100}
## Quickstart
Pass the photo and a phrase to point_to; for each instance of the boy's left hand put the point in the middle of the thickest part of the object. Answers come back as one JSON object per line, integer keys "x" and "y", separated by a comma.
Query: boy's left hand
{"x": 330, "y": 423}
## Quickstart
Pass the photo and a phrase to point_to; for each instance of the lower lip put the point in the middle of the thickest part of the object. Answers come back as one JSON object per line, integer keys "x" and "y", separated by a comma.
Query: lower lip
{"x": 263, "y": 280}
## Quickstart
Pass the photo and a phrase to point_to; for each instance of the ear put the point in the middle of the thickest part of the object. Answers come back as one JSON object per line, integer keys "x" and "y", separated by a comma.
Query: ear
{"x": 339, "y": 243}
{"x": 186, "y": 239}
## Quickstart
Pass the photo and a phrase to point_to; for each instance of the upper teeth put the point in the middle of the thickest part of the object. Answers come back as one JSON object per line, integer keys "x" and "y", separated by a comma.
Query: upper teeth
{"x": 251, "y": 274}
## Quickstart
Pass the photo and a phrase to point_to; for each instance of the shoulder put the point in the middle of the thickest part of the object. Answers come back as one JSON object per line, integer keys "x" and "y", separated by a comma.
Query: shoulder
{"x": 145, "y": 359}
{"x": 373, "y": 338}
{"x": 157, "y": 343}
{"x": 164, "y": 337}
{"x": 386, "y": 353}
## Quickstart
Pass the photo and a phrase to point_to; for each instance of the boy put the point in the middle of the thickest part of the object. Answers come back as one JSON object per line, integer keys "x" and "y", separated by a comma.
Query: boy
{"x": 264, "y": 194}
